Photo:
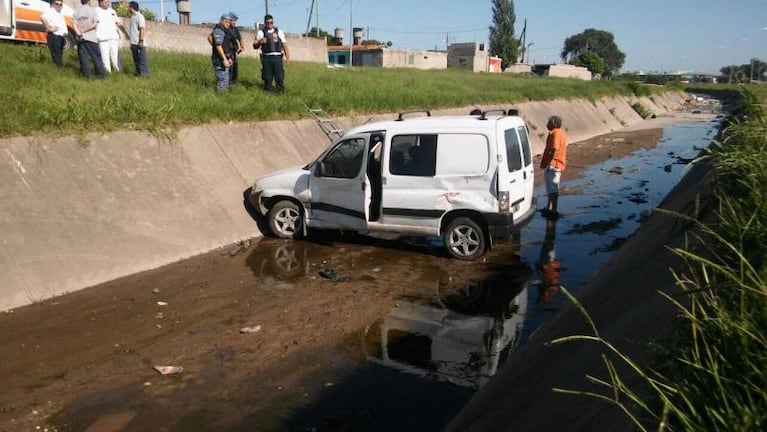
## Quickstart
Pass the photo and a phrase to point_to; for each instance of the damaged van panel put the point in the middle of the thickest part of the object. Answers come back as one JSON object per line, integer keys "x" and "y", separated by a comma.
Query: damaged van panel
{"x": 450, "y": 176}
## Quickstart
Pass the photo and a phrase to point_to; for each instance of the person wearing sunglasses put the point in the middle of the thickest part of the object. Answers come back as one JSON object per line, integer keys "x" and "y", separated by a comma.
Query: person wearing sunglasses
{"x": 274, "y": 46}
{"x": 56, "y": 29}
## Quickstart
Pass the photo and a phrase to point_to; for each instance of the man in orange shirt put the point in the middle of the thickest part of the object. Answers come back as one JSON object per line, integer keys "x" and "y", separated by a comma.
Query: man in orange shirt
{"x": 553, "y": 162}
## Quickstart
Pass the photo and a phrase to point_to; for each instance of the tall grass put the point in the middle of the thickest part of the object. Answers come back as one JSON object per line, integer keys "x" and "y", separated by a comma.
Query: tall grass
{"x": 717, "y": 380}
{"x": 181, "y": 91}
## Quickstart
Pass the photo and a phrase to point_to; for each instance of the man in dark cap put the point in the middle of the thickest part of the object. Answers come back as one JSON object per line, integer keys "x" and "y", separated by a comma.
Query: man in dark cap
{"x": 221, "y": 41}
{"x": 237, "y": 41}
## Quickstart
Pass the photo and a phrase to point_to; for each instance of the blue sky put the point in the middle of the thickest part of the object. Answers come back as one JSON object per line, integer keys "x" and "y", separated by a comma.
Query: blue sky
{"x": 655, "y": 35}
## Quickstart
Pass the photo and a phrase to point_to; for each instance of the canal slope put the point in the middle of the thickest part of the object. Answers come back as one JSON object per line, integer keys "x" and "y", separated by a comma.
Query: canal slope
{"x": 81, "y": 210}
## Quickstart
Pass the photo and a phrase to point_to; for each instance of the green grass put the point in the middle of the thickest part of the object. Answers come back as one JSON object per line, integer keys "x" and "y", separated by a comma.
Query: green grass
{"x": 181, "y": 91}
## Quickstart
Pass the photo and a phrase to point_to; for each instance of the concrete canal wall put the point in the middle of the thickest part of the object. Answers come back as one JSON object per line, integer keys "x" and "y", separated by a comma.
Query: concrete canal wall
{"x": 78, "y": 211}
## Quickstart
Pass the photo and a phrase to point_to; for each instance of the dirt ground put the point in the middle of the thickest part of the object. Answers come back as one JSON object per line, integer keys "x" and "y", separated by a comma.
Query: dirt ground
{"x": 259, "y": 333}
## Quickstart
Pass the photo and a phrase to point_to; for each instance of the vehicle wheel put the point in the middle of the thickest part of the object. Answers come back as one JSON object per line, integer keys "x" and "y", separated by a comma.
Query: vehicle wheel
{"x": 284, "y": 220}
{"x": 464, "y": 239}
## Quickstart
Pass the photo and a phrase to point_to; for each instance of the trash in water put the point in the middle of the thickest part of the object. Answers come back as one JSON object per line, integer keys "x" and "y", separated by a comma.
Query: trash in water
{"x": 169, "y": 370}
{"x": 161, "y": 303}
{"x": 254, "y": 329}
{"x": 241, "y": 246}
{"x": 328, "y": 273}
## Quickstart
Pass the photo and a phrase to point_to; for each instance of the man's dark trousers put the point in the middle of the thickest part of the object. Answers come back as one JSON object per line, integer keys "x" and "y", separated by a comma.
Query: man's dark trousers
{"x": 56, "y": 46}
{"x": 88, "y": 52}
{"x": 273, "y": 70}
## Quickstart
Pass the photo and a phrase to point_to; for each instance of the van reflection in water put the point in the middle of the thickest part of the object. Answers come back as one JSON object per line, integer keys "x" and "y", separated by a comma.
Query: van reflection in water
{"x": 461, "y": 338}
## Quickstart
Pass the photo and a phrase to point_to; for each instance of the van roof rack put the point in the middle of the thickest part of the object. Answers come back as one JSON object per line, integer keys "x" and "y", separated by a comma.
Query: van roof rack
{"x": 403, "y": 113}
{"x": 483, "y": 114}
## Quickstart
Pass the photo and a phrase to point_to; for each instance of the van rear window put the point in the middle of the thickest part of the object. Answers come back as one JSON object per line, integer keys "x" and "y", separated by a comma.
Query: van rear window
{"x": 513, "y": 152}
{"x": 462, "y": 154}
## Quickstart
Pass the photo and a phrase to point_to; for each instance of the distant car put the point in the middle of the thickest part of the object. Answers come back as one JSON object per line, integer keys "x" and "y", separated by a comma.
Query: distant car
{"x": 20, "y": 19}
{"x": 468, "y": 179}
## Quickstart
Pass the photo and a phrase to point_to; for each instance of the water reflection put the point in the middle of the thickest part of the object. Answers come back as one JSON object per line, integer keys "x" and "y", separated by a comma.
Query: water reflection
{"x": 461, "y": 338}
{"x": 548, "y": 265}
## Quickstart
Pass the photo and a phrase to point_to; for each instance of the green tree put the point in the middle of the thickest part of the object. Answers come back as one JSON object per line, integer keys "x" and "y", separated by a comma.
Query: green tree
{"x": 122, "y": 10}
{"x": 590, "y": 60}
{"x": 330, "y": 39}
{"x": 502, "y": 41}
{"x": 601, "y": 43}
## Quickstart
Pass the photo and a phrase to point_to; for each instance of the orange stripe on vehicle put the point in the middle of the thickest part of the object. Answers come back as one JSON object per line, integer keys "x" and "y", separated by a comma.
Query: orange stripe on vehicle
{"x": 31, "y": 36}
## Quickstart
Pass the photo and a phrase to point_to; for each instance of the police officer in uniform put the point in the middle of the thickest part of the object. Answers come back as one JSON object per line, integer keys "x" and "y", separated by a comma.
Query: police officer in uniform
{"x": 274, "y": 47}
{"x": 238, "y": 47}
{"x": 223, "y": 47}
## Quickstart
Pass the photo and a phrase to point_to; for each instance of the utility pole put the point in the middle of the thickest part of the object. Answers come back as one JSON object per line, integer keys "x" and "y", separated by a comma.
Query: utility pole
{"x": 351, "y": 33}
{"x": 266, "y": 7}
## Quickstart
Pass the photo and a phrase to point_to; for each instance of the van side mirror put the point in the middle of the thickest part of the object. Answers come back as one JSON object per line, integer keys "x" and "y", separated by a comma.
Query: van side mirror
{"x": 320, "y": 171}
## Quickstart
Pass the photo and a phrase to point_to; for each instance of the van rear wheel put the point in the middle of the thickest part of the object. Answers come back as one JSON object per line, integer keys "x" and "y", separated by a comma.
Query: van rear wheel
{"x": 284, "y": 220}
{"x": 464, "y": 239}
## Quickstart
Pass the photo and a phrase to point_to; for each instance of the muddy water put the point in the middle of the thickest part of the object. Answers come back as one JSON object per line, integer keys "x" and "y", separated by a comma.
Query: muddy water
{"x": 438, "y": 347}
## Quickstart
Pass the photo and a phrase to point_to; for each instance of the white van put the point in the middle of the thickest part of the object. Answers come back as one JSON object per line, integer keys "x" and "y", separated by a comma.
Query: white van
{"x": 468, "y": 179}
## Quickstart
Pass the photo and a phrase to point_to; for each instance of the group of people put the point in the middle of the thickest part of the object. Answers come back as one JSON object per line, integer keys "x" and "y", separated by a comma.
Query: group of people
{"x": 226, "y": 43}
{"x": 97, "y": 31}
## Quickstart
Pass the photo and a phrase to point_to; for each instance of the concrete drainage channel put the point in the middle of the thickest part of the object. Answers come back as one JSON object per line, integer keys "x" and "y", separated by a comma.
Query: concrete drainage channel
{"x": 89, "y": 211}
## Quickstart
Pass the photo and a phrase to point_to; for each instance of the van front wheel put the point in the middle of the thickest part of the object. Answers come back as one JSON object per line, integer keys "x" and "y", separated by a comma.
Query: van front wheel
{"x": 464, "y": 239}
{"x": 284, "y": 220}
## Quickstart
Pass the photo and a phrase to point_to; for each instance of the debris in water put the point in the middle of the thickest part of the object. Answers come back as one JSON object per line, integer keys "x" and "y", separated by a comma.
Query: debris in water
{"x": 169, "y": 370}
{"x": 254, "y": 329}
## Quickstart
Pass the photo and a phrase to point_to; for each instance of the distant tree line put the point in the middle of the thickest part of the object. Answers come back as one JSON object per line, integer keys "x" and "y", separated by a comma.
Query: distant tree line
{"x": 755, "y": 70}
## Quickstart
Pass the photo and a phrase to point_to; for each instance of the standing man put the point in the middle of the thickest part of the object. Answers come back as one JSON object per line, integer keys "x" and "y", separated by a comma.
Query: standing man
{"x": 108, "y": 36}
{"x": 222, "y": 44}
{"x": 553, "y": 162}
{"x": 56, "y": 28}
{"x": 273, "y": 46}
{"x": 88, "y": 46}
{"x": 137, "y": 36}
{"x": 238, "y": 47}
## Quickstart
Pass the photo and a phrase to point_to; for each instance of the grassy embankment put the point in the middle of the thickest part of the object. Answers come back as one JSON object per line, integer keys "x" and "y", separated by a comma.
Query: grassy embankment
{"x": 717, "y": 377}
{"x": 181, "y": 91}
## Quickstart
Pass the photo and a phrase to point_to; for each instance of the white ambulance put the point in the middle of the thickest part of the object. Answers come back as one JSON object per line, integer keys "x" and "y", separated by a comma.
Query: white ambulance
{"x": 20, "y": 19}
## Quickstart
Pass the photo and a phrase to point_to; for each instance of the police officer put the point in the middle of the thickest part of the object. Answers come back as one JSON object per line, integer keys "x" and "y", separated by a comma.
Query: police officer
{"x": 274, "y": 47}
{"x": 237, "y": 40}
{"x": 223, "y": 47}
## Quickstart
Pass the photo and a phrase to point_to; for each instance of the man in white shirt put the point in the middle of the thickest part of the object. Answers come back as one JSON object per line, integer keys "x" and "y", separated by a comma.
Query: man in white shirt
{"x": 274, "y": 46}
{"x": 108, "y": 36}
{"x": 56, "y": 28}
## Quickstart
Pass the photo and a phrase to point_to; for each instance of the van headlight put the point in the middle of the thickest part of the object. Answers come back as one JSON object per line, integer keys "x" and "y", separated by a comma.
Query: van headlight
{"x": 503, "y": 202}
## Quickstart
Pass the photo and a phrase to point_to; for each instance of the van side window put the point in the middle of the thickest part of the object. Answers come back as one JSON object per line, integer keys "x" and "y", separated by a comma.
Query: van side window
{"x": 513, "y": 152}
{"x": 525, "y": 145}
{"x": 344, "y": 161}
{"x": 413, "y": 155}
